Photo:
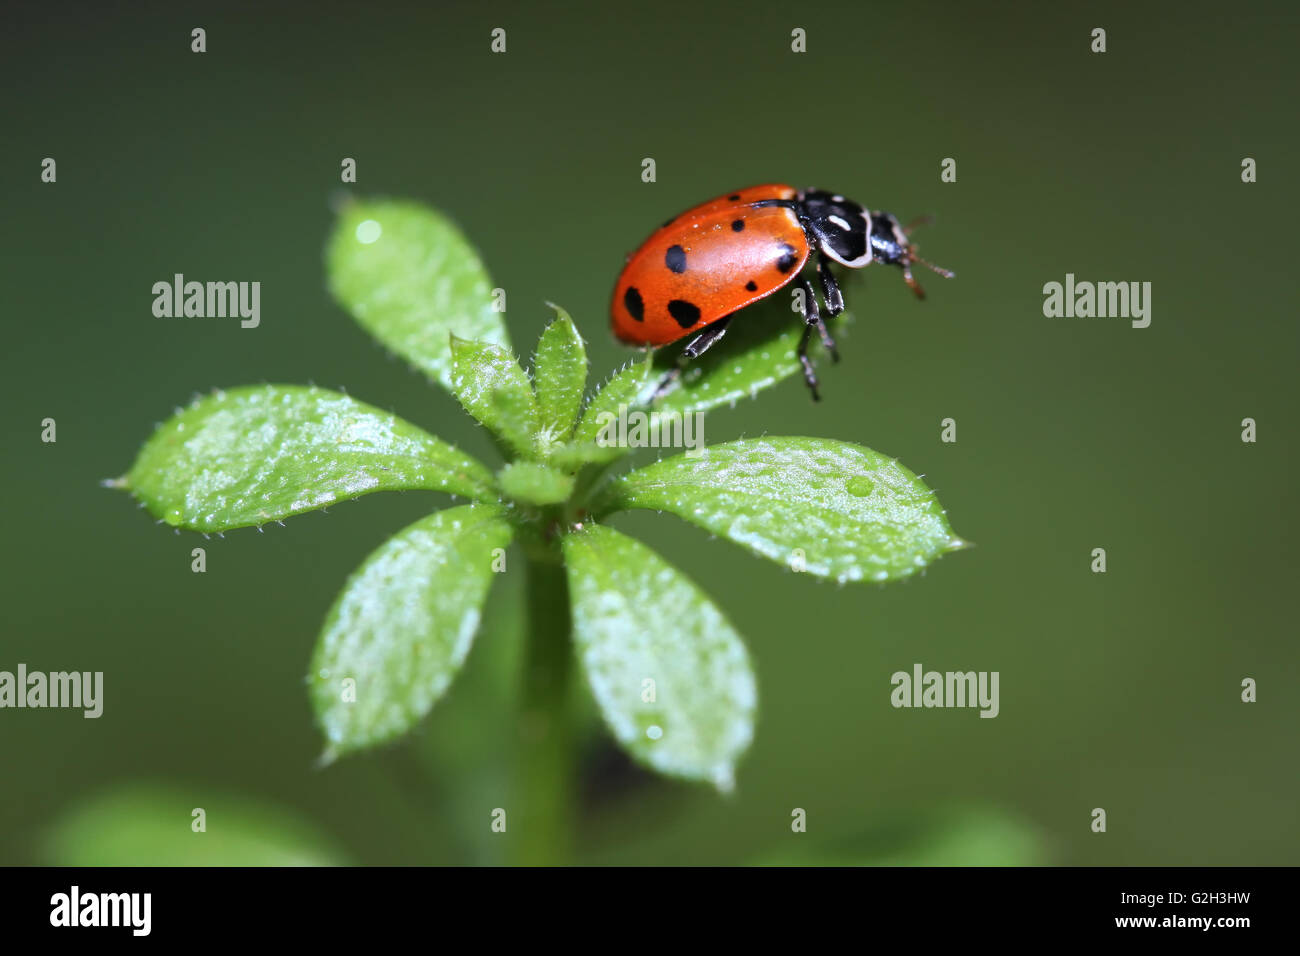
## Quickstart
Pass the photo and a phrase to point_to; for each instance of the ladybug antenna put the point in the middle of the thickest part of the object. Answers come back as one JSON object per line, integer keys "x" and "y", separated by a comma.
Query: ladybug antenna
{"x": 946, "y": 273}
{"x": 911, "y": 280}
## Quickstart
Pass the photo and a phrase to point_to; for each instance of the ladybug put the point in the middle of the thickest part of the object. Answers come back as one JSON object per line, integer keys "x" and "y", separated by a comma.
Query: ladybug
{"x": 700, "y": 268}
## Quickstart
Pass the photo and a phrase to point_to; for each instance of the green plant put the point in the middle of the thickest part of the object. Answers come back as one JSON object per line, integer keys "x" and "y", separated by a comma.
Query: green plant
{"x": 669, "y": 674}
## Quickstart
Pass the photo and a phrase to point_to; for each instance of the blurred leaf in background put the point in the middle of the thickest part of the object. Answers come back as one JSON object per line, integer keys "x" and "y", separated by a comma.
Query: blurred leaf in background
{"x": 952, "y": 836}
{"x": 153, "y": 825}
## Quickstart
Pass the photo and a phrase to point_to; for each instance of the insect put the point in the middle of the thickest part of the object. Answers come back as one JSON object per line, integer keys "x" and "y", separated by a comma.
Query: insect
{"x": 700, "y": 268}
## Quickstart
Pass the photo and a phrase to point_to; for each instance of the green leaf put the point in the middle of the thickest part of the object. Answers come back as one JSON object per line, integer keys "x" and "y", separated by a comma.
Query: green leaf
{"x": 150, "y": 825}
{"x": 853, "y": 513}
{"x": 759, "y": 351}
{"x": 560, "y": 377}
{"x": 402, "y": 626}
{"x": 471, "y": 743}
{"x": 496, "y": 391}
{"x": 628, "y": 388}
{"x": 636, "y": 619}
{"x": 534, "y": 484}
{"x": 410, "y": 278}
{"x": 251, "y": 455}
{"x": 961, "y": 836}
{"x": 572, "y": 456}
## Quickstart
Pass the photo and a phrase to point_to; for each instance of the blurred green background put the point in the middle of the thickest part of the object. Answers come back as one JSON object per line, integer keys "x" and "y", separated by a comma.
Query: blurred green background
{"x": 1118, "y": 690}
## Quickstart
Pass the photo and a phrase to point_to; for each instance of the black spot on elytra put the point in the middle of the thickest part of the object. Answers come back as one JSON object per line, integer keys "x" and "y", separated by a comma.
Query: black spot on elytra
{"x": 632, "y": 301}
{"x": 789, "y": 256}
{"x": 734, "y": 197}
{"x": 675, "y": 259}
{"x": 686, "y": 313}
{"x": 751, "y": 285}
{"x": 737, "y": 225}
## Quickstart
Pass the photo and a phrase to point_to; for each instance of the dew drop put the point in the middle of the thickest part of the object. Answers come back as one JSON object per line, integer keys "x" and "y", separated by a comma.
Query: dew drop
{"x": 654, "y": 731}
{"x": 369, "y": 231}
{"x": 859, "y": 486}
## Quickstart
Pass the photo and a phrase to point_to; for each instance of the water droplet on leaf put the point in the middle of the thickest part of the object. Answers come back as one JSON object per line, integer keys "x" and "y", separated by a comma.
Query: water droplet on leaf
{"x": 859, "y": 486}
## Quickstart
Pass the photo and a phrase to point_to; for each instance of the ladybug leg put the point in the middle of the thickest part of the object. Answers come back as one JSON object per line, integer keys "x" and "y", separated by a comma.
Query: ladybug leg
{"x": 694, "y": 349}
{"x": 812, "y": 320}
{"x": 666, "y": 384}
{"x": 828, "y": 343}
{"x": 834, "y": 304}
{"x": 809, "y": 374}
{"x": 812, "y": 316}
{"x": 830, "y": 288}
{"x": 707, "y": 337}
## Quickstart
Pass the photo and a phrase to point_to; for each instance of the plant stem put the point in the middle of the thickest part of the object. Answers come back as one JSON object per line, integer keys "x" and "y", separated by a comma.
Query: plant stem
{"x": 542, "y": 825}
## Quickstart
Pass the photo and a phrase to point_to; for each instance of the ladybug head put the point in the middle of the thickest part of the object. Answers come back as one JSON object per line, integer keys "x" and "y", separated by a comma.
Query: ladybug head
{"x": 890, "y": 245}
